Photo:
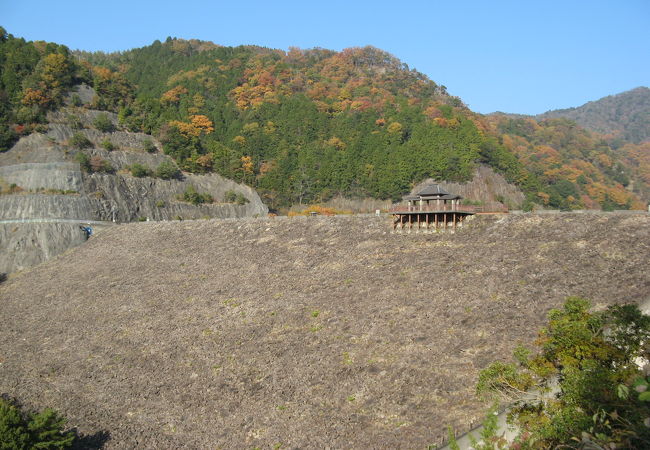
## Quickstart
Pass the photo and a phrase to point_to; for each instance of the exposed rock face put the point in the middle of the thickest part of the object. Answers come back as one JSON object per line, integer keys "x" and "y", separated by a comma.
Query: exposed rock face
{"x": 55, "y": 175}
{"x": 125, "y": 199}
{"x": 23, "y": 245}
{"x": 311, "y": 332}
{"x": 53, "y": 188}
{"x": 487, "y": 187}
{"x": 39, "y": 206}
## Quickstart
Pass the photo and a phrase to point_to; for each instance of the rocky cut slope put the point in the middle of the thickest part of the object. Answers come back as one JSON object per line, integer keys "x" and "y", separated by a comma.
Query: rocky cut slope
{"x": 46, "y": 195}
{"x": 304, "y": 332}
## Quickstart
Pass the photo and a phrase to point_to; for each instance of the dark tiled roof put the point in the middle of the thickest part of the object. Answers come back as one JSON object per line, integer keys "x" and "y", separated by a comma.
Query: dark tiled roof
{"x": 451, "y": 197}
{"x": 432, "y": 189}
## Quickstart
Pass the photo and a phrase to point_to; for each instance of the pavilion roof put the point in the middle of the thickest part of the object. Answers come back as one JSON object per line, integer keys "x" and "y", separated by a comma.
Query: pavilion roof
{"x": 432, "y": 190}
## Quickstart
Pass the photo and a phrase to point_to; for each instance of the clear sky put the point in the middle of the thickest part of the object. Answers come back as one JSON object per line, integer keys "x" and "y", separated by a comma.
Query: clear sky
{"x": 520, "y": 56}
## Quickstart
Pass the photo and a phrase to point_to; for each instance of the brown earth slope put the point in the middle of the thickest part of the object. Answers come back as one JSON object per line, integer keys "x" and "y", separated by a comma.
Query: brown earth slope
{"x": 305, "y": 332}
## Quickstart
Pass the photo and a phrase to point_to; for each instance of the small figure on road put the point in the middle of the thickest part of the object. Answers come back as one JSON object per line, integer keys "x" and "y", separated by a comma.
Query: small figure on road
{"x": 87, "y": 230}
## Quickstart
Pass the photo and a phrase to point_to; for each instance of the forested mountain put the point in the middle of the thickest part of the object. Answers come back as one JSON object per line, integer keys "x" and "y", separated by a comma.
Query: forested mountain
{"x": 305, "y": 125}
{"x": 624, "y": 116}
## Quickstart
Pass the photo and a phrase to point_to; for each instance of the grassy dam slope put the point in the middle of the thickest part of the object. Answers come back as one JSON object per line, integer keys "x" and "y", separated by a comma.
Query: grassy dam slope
{"x": 307, "y": 332}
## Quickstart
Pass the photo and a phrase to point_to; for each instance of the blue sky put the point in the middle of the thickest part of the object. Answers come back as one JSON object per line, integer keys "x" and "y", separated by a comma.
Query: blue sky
{"x": 513, "y": 56}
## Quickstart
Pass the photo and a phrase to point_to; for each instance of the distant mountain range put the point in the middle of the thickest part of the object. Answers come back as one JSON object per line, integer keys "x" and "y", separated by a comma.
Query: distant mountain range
{"x": 625, "y": 115}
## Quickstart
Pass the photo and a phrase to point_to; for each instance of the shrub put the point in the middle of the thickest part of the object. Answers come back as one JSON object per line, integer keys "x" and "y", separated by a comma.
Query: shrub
{"x": 139, "y": 171}
{"x": 76, "y": 100}
{"x": 235, "y": 197}
{"x": 98, "y": 164}
{"x": 230, "y": 197}
{"x": 37, "y": 430}
{"x": 601, "y": 398}
{"x": 192, "y": 196}
{"x": 241, "y": 199}
{"x": 167, "y": 170}
{"x": 74, "y": 122}
{"x": 103, "y": 123}
{"x": 160, "y": 204}
{"x": 108, "y": 145}
{"x": 149, "y": 146}
{"x": 84, "y": 161}
{"x": 80, "y": 141}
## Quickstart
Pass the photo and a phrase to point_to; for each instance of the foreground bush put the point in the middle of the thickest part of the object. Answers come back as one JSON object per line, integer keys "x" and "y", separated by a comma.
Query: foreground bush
{"x": 20, "y": 430}
{"x": 582, "y": 388}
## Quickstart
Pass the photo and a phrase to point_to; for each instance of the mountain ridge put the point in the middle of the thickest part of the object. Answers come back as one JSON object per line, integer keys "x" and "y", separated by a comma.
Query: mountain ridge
{"x": 624, "y": 115}
{"x": 306, "y": 126}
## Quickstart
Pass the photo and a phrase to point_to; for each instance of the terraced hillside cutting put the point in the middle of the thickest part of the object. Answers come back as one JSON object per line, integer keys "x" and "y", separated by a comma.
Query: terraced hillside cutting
{"x": 305, "y": 332}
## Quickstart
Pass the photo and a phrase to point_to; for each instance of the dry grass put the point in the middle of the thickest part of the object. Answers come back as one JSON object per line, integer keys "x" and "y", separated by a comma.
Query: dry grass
{"x": 306, "y": 332}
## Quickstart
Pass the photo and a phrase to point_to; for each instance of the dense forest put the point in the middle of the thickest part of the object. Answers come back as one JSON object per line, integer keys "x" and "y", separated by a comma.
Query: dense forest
{"x": 304, "y": 126}
{"x": 625, "y": 116}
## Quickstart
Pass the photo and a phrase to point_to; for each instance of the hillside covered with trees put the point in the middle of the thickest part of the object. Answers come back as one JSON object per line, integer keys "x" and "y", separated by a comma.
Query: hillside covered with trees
{"x": 304, "y": 126}
{"x": 625, "y": 116}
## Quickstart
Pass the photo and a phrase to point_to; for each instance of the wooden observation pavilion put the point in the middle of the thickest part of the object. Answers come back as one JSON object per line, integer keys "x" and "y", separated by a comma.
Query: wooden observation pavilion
{"x": 431, "y": 209}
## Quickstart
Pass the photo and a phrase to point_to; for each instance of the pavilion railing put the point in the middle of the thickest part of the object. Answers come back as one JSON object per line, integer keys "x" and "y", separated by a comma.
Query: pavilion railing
{"x": 400, "y": 209}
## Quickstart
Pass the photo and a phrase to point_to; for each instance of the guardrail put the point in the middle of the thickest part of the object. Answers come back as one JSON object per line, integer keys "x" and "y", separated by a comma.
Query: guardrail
{"x": 91, "y": 222}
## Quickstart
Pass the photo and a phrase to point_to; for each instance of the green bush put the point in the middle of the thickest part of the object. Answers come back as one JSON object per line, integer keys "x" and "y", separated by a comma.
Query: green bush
{"x": 98, "y": 164}
{"x": 590, "y": 358}
{"x": 83, "y": 160}
{"x": 108, "y": 145}
{"x": 230, "y": 197}
{"x": 74, "y": 122}
{"x": 80, "y": 141}
{"x": 103, "y": 123}
{"x": 94, "y": 163}
{"x": 43, "y": 430}
{"x": 139, "y": 171}
{"x": 149, "y": 146}
{"x": 192, "y": 196}
{"x": 235, "y": 197}
{"x": 76, "y": 100}
{"x": 167, "y": 170}
{"x": 241, "y": 199}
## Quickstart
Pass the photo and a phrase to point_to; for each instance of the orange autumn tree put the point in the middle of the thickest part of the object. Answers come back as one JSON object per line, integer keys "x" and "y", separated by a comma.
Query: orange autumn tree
{"x": 199, "y": 124}
{"x": 173, "y": 95}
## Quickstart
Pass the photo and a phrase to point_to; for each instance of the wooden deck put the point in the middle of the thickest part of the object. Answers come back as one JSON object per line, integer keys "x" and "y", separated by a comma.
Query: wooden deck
{"x": 435, "y": 217}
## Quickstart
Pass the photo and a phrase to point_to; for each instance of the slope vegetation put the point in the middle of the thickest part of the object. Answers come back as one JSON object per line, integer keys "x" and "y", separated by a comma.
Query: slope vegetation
{"x": 306, "y": 126}
{"x": 626, "y": 115}
{"x": 305, "y": 332}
